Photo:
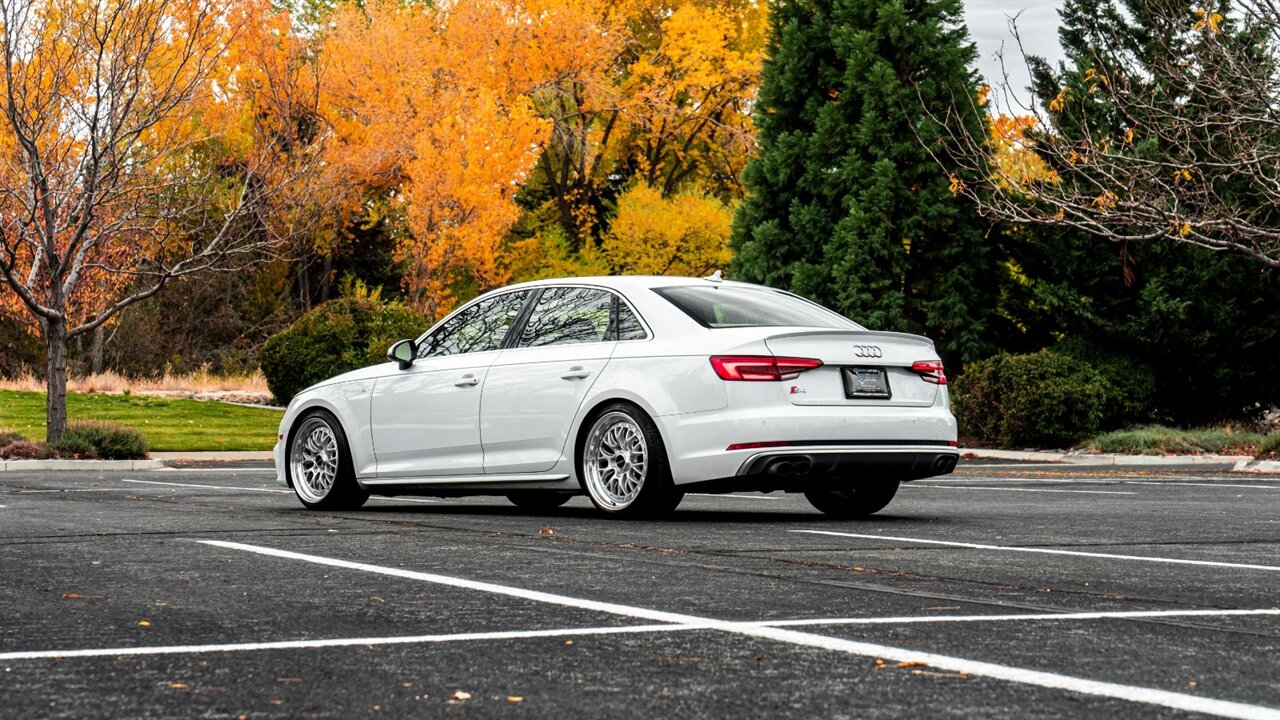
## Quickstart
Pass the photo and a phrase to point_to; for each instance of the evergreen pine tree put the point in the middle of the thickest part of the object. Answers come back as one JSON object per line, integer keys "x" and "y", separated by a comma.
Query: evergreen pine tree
{"x": 846, "y": 204}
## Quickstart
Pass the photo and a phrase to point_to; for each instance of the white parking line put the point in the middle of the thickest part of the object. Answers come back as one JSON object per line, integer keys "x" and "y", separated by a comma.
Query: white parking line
{"x": 333, "y": 642}
{"x": 738, "y": 497}
{"x": 1037, "y": 490}
{"x": 1150, "y": 696}
{"x": 1196, "y": 484}
{"x": 1055, "y": 617}
{"x": 236, "y": 488}
{"x": 229, "y": 488}
{"x": 68, "y": 490}
{"x": 992, "y": 480}
{"x": 1045, "y": 551}
{"x": 608, "y": 630}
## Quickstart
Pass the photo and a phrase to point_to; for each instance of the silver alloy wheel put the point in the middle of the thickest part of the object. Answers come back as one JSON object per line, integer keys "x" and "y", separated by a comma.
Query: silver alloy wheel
{"x": 615, "y": 460}
{"x": 313, "y": 459}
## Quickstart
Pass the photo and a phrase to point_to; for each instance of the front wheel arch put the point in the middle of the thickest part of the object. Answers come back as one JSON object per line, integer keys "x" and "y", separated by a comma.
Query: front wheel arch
{"x": 346, "y": 492}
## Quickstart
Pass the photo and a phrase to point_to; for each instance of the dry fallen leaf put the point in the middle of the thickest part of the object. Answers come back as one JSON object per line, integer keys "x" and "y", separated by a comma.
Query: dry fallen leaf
{"x": 930, "y": 673}
{"x": 144, "y": 623}
{"x": 568, "y": 642}
{"x": 912, "y": 663}
{"x": 459, "y": 697}
{"x": 880, "y": 662}
{"x": 514, "y": 698}
{"x": 177, "y": 686}
{"x": 548, "y": 530}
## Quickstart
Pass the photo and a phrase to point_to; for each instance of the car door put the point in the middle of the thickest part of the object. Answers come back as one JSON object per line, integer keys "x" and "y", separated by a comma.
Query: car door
{"x": 426, "y": 417}
{"x": 534, "y": 388}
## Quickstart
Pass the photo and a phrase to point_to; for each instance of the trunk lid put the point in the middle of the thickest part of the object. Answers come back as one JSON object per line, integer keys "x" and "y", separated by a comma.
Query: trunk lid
{"x": 859, "y": 368}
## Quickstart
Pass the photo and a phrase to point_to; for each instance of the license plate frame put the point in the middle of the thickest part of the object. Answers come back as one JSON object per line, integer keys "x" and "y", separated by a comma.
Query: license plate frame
{"x": 866, "y": 383}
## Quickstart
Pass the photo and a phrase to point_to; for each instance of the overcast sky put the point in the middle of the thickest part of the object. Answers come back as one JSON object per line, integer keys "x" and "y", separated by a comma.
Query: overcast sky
{"x": 988, "y": 22}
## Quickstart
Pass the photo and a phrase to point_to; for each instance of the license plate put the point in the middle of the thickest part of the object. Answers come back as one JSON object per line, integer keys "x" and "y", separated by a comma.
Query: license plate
{"x": 866, "y": 383}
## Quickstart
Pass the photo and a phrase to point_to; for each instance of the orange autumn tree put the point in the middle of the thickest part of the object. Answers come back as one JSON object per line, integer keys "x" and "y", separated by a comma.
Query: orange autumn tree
{"x": 433, "y": 115}
{"x": 131, "y": 152}
{"x": 671, "y": 111}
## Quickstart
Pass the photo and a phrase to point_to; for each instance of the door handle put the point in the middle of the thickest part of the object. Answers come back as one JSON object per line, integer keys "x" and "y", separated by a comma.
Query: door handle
{"x": 468, "y": 380}
{"x": 576, "y": 373}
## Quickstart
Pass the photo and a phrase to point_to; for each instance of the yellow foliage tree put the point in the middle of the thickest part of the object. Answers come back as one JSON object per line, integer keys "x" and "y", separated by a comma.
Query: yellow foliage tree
{"x": 687, "y": 234}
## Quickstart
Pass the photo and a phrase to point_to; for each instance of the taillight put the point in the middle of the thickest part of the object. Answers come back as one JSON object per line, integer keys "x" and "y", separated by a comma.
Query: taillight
{"x": 761, "y": 368}
{"x": 930, "y": 371}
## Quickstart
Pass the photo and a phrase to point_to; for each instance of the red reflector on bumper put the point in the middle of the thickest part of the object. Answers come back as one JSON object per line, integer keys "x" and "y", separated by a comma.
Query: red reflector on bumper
{"x": 754, "y": 445}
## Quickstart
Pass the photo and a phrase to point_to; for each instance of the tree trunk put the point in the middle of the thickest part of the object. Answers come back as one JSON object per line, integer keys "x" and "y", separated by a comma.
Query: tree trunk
{"x": 55, "y": 343}
{"x": 95, "y": 350}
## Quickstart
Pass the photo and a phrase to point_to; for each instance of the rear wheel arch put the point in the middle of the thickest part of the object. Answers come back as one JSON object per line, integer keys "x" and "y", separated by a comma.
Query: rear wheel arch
{"x": 598, "y": 408}
{"x": 657, "y": 495}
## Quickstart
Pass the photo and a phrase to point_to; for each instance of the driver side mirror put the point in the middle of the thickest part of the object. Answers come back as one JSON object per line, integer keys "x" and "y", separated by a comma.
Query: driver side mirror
{"x": 403, "y": 352}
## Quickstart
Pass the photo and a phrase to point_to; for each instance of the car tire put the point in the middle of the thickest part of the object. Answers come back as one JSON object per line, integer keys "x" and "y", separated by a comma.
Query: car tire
{"x": 534, "y": 500}
{"x": 319, "y": 462}
{"x": 857, "y": 500}
{"x": 623, "y": 464}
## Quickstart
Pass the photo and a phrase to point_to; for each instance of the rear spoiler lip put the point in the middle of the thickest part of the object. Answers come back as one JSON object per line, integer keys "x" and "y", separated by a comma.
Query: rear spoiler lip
{"x": 857, "y": 334}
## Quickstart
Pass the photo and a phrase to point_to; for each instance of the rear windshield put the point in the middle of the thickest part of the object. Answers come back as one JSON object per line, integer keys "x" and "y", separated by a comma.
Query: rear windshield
{"x": 721, "y": 306}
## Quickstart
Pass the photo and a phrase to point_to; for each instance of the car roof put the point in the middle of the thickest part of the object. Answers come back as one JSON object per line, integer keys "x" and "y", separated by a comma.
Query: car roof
{"x": 629, "y": 282}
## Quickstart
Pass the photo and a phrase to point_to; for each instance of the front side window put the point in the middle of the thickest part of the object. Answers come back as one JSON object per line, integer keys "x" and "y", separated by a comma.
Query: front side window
{"x": 567, "y": 316}
{"x": 478, "y": 328}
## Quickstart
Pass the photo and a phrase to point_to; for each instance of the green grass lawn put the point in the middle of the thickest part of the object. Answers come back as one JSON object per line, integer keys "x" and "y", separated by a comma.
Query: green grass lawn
{"x": 168, "y": 424}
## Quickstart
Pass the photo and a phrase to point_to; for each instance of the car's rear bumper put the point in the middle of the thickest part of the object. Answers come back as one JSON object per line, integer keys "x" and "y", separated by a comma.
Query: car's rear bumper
{"x": 887, "y": 442}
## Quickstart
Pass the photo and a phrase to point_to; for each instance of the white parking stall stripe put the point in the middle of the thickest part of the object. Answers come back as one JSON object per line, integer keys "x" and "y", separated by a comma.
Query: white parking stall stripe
{"x": 1026, "y": 617}
{"x": 739, "y": 497}
{"x": 1035, "y": 490}
{"x": 991, "y": 480}
{"x": 230, "y": 488}
{"x": 1150, "y": 696}
{"x": 236, "y": 488}
{"x": 1196, "y": 484}
{"x": 608, "y": 630}
{"x": 334, "y": 642}
{"x": 1045, "y": 551}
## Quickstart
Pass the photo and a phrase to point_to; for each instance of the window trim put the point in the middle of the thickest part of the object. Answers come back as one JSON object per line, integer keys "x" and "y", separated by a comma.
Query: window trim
{"x": 517, "y": 329}
{"x": 524, "y": 310}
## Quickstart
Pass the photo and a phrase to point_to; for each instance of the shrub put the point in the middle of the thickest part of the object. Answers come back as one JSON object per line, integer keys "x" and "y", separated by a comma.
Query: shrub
{"x": 1270, "y": 446}
{"x": 98, "y": 441}
{"x": 1133, "y": 382}
{"x": 1045, "y": 398}
{"x": 1160, "y": 440}
{"x": 336, "y": 337}
{"x": 14, "y": 446}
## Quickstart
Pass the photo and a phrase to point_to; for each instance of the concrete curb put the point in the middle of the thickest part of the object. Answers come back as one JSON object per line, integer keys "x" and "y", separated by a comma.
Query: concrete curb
{"x": 33, "y": 465}
{"x": 1258, "y": 466}
{"x": 216, "y": 456}
{"x": 1090, "y": 459}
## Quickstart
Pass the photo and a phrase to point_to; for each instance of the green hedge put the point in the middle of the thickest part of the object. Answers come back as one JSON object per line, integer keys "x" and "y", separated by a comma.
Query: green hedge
{"x": 336, "y": 337}
{"x": 1049, "y": 398}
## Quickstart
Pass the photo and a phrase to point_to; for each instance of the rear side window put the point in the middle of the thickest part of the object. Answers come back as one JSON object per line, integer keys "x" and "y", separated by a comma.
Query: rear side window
{"x": 567, "y": 316}
{"x": 721, "y": 306}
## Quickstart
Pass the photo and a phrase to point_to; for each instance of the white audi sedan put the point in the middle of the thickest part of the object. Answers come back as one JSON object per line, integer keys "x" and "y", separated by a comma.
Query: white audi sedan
{"x": 634, "y": 391}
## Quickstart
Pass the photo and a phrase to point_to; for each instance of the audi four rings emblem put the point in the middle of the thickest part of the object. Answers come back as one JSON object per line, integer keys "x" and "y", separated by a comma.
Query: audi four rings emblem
{"x": 867, "y": 351}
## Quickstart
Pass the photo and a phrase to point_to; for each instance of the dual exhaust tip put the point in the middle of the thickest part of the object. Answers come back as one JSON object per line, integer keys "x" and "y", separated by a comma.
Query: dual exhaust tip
{"x": 788, "y": 467}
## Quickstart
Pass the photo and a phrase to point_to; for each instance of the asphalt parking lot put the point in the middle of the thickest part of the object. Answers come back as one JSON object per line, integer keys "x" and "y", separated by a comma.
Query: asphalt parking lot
{"x": 998, "y": 592}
